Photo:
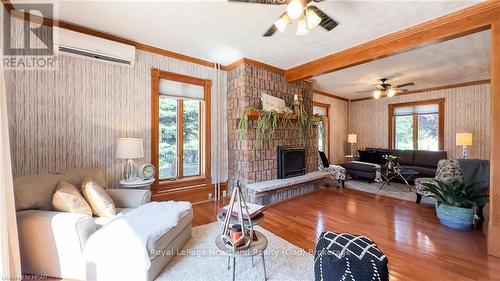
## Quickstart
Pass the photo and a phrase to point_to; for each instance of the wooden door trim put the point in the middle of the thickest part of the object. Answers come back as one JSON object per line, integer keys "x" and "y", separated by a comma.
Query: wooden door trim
{"x": 327, "y": 106}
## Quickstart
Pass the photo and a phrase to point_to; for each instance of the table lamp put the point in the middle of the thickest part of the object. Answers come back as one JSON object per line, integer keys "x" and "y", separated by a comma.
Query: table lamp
{"x": 464, "y": 139}
{"x": 130, "y": 149}
{"x": 352, "y": 139}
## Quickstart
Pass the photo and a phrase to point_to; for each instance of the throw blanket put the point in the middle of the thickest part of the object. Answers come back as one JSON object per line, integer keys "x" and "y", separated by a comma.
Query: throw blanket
{"x": 476, "y": 171}
{"x": 378, "y": 173}
{"x": 119, "y": 250}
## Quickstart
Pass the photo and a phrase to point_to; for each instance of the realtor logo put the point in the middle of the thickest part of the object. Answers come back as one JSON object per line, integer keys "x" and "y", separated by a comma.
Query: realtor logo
{"x": 28, "y": 44}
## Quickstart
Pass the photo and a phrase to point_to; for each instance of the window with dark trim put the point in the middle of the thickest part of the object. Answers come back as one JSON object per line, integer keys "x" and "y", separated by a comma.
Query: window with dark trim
{"x": 417, "y": 125}
{"x": 180, "y": 129}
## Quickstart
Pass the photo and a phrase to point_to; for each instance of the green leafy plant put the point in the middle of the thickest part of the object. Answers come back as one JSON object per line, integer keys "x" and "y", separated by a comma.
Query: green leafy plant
{"x": 268, "y": 121}
{"x": 390, "y": 158}
{"x": 457, "y": 194}
{"x": 243, "y": 123}
{"x": 266, "y": 125}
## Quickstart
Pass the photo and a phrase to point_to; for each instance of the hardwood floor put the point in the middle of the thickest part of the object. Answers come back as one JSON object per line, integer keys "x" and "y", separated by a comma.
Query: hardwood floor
{"x": 417, "y": 246}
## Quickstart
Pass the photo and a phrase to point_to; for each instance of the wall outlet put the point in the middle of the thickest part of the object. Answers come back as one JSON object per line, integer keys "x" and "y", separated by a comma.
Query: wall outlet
{"x": 210, "y": 196}
{"x": 224, "y": 193}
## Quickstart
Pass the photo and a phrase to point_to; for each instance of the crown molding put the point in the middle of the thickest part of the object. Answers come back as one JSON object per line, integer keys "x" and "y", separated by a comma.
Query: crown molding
{"x": 255, "y": 63}
{"x": 93, "y": 32}
{"x": 451, "y": 86}
{"x": 330, "y": 95}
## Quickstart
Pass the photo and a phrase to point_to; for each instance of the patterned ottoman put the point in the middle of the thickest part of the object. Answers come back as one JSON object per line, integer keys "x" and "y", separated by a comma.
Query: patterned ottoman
{"x": 343, "y": 256}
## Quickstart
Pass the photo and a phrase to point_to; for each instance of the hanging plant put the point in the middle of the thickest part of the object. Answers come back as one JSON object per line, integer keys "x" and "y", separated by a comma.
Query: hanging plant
{"x": 267, "y": 122}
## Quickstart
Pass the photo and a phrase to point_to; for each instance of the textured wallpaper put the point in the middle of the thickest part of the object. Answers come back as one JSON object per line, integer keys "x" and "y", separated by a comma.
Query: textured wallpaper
{"x": 72, "y": 117}
{"x": 467, "y": 109}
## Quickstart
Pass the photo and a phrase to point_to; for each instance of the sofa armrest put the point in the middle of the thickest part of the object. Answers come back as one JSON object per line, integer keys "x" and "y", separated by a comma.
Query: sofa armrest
{"x": 129, "y": 198}
{"x": 53, "y": 243}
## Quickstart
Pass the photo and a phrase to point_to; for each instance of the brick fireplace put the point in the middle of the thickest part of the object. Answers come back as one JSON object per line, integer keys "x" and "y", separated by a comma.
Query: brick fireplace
{"x": 246, "y": 84}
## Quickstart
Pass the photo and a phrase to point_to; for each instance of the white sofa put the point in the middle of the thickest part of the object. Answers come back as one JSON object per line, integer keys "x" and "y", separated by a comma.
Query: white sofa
{"x": 52, "y": 243}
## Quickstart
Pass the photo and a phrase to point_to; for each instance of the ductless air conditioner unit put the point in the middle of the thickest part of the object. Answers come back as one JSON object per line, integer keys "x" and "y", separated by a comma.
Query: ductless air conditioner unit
{"x": 83, "y": 45}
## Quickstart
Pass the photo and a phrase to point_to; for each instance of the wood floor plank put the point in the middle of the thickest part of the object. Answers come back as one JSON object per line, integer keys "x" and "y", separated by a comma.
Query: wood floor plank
{"x": 417, "y": 246}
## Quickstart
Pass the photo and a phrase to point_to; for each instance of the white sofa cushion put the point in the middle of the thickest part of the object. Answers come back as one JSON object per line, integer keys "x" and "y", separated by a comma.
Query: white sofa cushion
{"x": 101, "y": 221}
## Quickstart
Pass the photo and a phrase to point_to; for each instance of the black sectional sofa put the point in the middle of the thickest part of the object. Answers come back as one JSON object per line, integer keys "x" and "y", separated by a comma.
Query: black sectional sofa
{"x": 423, "y": 161}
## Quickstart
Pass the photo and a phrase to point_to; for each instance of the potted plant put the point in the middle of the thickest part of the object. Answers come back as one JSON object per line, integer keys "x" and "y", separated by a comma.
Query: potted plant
{"x": 391, "y": 161}
{"x": 456, "y": 204}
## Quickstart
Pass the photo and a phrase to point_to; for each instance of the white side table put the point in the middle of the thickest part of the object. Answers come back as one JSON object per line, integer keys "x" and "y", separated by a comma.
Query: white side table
{"x": 137, "y": 183}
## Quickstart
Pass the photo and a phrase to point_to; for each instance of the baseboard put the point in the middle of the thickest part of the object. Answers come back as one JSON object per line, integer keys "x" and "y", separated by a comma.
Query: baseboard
{"x": 193, "y": 194}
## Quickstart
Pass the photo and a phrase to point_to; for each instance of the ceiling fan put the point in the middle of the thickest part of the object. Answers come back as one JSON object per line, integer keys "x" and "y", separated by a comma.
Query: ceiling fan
{"x": 385, "y": 89}
{"x": 308, "y": 16}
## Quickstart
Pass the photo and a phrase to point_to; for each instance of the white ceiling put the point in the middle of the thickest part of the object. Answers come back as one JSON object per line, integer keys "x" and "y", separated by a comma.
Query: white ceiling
{"x": 224, "y": 32}
{"x": 456, "y": 61}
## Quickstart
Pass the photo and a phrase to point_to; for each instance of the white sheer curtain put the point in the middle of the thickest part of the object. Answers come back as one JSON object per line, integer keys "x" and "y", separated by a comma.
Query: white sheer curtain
{"x": 10, "y": 265}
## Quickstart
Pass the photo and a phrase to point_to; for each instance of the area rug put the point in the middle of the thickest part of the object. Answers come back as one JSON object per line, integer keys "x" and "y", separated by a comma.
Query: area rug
{"x": 198, "y": 260}
{"x": 394, "y": 190}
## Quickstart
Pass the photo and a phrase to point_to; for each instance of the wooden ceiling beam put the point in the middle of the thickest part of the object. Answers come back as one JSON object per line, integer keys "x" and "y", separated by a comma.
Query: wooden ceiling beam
{"x": 457, "y": 24}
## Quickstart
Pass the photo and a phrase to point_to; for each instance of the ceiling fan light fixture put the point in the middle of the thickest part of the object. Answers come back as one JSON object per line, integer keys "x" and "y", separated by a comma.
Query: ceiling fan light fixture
{"x": 294, "y": 9}
{"x": 282, "y": 22}
{"x": 302, "y": 26}
{"x": 312, "y": 18}
{"x": 377, "y": 94}
{"x": 391, "y": 93}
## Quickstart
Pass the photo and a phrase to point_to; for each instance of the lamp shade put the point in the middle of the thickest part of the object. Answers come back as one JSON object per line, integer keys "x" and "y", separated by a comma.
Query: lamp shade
{"x": 352, "y": 138}
{"x": 464, "y": 139}
{"x": 129, "y": 148}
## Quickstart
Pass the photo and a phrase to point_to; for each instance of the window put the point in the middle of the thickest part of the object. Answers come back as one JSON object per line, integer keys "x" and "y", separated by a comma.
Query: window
{"x": 180, "y": 129}
{"x": 323, "y": 133}
{"x": 417, "y": 125}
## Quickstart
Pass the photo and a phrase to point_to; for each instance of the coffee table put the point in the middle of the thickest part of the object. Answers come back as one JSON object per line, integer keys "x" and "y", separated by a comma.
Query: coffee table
{"x": 397, "y": 173}
{"x": 255, "y": 248}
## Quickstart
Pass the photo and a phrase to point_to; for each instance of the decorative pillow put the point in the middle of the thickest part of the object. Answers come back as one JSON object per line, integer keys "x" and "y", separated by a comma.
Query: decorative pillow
{"x": 102, "y": 205}
{"x": 67, "y": 198}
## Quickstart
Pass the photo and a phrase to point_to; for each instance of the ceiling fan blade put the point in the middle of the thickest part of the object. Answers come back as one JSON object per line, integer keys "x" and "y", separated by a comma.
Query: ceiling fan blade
{"x": 318, "y": 1}
{"x": 326, "y": 22}
{"x": 269, "y": 2}
{"x": 270, "y": 31}
{"x": 363, "y": 92}
{"x": 273, "y": 28}
{"x": 406, "y": 85}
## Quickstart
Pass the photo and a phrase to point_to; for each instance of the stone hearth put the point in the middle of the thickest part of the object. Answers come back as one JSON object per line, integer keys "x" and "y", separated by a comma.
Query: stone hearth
{"x": 246, "y": 84}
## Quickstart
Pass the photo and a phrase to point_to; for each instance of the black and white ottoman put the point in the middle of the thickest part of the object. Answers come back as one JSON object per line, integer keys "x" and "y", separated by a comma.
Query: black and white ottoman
{"x": 348, "y": 257}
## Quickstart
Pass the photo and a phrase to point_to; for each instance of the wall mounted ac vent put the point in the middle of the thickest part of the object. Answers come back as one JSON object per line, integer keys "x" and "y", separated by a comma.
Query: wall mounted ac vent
{"x": 92, "y": 55}
{"x": 82, "y": 45}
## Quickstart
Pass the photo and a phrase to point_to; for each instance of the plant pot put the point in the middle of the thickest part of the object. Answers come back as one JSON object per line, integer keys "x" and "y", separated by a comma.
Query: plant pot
{"x": 456, "y": 217}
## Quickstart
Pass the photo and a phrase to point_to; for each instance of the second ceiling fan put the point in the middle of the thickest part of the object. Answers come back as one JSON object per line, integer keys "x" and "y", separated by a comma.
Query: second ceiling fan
{"x": 385, "y": 89}
{"x": 308, "y": 16}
